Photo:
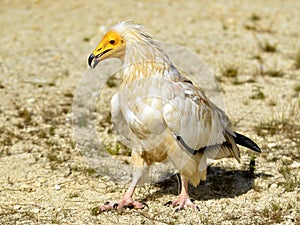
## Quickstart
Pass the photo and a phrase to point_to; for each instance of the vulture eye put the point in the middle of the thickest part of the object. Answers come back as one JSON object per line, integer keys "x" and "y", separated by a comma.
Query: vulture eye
{"x": 112, "y": 42}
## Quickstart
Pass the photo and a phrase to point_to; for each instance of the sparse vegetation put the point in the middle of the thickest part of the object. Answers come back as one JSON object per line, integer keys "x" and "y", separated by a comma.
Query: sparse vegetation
{"x": 52, "y": 130}
{"x": 86, "y": 39}
{"x": 250, "y": 27}
{"x": 230, "y": 71}
{"x": 265, "y": 46}
{"x": 297, "y": 59}
{"x": 87, "y": 171}
{"x": 29, "y": 214}
{"x": 255, "y": 17}
{"x": 290, "y": 184}
{"x": 273, "y": 73}
{"x": 74, "y": 195}
{"x": 268, "y": 47}
{"x": 116, "y": 149}
{"x": 285, "y": 171}
{"x": 271, "y": 127}
{"x": 111, "y": 149}
{"x": 272, "y": 103}
{"x": 252, "y": 165}
{"x": 253, "y": 24}
{"x": 297, "y": 88}
{"x": 270, "y": 72}
{"x": 1, "y": 85}
{"x": 69, "y": 94}
{"x": 95, "y": 211}
{"x": 286, "y": 124}
{"x": 257, "y": 93}
{"x": 274, "y": 212}
{"x": 25, "y": 114}
{"x": 257, "y": 24}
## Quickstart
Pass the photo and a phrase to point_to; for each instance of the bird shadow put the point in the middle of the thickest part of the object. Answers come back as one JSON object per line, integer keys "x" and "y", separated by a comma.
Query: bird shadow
{"x": 220, "y": 183}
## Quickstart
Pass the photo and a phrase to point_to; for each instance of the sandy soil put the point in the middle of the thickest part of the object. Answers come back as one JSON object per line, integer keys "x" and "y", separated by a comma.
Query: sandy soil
{"x": 44, "y": 178}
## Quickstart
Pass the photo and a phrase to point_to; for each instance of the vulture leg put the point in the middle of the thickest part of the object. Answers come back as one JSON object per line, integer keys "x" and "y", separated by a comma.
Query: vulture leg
{"x": 127, "y": 200}
{"x": 183, "y": 198}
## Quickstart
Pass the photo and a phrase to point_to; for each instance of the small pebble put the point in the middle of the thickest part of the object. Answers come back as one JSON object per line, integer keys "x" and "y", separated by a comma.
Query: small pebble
{"x": 295, "y": 165}
{"x": 50, "y": 208}
{"x": 287, "y": 160}
{"x": 35, "y": 210}
{"x": 17, "y": 207}
{"x": 271, "y": 145}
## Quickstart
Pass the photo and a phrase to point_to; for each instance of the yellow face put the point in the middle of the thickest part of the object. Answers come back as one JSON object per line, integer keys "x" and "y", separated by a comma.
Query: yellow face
{"x": 112, "y": 45}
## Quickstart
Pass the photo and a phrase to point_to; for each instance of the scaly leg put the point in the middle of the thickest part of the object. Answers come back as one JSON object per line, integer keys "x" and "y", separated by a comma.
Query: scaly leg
{"x": 127, "y": 200}
{"x": 183, "y": 198}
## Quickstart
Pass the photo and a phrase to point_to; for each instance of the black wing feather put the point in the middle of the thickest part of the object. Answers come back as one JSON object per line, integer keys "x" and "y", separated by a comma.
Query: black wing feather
{"x": 246, "y": 142}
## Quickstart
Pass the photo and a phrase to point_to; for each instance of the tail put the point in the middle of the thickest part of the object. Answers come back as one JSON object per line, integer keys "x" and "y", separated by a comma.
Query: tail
{"x": 246, "y": 142}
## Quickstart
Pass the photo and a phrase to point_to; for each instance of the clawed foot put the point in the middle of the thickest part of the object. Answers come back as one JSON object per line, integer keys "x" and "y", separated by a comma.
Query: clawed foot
{"x": 181, "y": 201}
{"x": 121, "y": 204}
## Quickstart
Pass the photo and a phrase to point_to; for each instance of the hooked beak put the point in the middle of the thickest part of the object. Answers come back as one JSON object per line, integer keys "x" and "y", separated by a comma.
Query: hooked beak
{"x": 90, "y": 60}
{"x": 93, "y": 60}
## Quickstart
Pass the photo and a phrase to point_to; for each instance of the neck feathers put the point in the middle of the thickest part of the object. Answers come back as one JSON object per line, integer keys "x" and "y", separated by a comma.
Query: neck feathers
{"x": 144, "y": 59}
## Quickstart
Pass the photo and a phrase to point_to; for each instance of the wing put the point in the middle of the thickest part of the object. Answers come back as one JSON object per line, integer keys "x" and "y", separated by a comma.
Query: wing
{"x": 198, "y": 124}
{"x": 153, "y": 105}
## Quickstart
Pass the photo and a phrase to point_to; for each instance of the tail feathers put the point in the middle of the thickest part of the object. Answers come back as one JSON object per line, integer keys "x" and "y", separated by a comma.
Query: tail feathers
{"x": 246, "y": 142}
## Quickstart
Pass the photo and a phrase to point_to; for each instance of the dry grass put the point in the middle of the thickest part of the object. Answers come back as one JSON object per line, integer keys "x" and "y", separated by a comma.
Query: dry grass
{"x": 265, "y": 46}
{"x": 268, "y": 47}
{"x": 297, "y": 59}
{"x": 255, "y": 17}
{"x": 274, "y": 73}
{"x": 257, "y": 93}
{"x": 116, "y": 148}
{"x": 274, "y": 212}
{"x": 230, "y": 71}
{"x": 291, "y": 182}
{"x": 297, "y": 88}
{"x": 286, "y": 124}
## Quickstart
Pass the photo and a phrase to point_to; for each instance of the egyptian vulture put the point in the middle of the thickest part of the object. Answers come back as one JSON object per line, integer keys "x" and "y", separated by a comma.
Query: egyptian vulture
{"x": 162, "y": 114}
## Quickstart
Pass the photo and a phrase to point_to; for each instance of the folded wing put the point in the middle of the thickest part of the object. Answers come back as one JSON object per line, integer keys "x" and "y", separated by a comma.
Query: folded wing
{"x": 199, "y": 125}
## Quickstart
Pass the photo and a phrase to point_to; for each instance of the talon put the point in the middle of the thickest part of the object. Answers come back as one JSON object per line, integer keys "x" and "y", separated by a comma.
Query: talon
{"x": 115, "y": 205}
{"x": 177, "y": 209}
{"x": 168, "y": 203}
{"x": 145, "y": 204}
{"x": 198, "y": 209}
{"x": 123, "y": 203}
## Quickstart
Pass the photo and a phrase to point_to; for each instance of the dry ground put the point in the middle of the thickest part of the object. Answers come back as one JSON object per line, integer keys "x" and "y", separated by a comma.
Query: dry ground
{"x": 253, "y": 49}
